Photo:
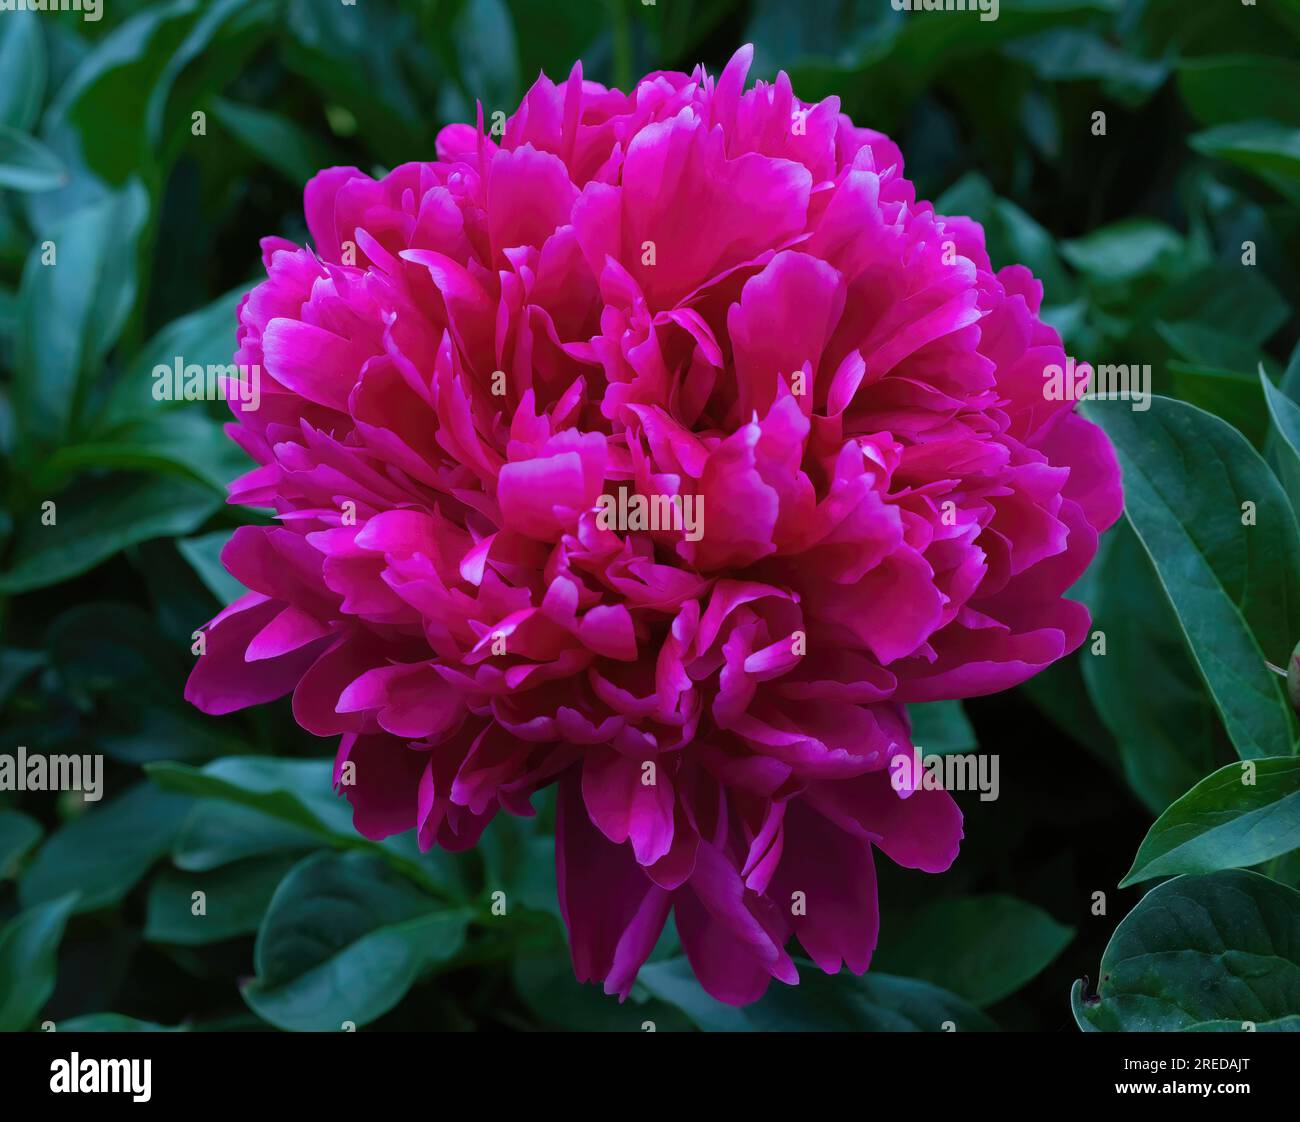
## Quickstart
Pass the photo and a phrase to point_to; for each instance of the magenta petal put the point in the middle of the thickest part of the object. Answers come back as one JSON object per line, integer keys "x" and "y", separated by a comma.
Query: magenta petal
{"x": 921, "y": 831}
{"x": 835, "y": 914}
{"x": 224, "y": 680}
{"x": 608, "y": 903}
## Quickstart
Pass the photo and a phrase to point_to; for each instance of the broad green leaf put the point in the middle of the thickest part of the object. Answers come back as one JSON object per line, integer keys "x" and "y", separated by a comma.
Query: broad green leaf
{"x": 301, "y": 793}
{"x": 1241, "y": 815}
{"x": 1235, "y": 587}
{"x": 1168, "y": 732}
{"x": 981, "y": 948}
{"x": 1229, "y": 394}
{"x": 99, "y": 518}
{"x": 1290, "y": 382}
{"x": 26, "y": 164}
{"x": 1071, "y": 54}
{"x": 550, "y": 36}
{"x": 940, "y": 728}
{"x": 113, "y": 1022}
{"x": 519, "y": 859}
{"x": 1285, "y": 416}
{"x": 1230, "y": 299}
{"x": 103, "y": 853}
{"x": 364, "y": 63}
{"x": 212, "y": 53}
{"x": 204, "y": 554}
{"x": 22, "y": 62}
{"x": 1222, "y": 89}
{"x": 18, "y": 834}
{"x": 673, "y": 981}
{"x": 344, "y": 938}
{"x": 1124, "y": 250}
{"x": 72, "y": 311}
{"x": 202, "y": 338}
{"x": 1269, "y": 149}
{"x": 29, "y": 946}
{"x": 1205, "y": 345}
{"x": 217, "y": 833}
{"x": 1218, "y": 952}
{"x": 276, "y": 140}
{"x": 148, "y": 73}
{"x": 874, "y": 1002}
{"x": 1215, "y": 370}
{"x": 184, "y": 442}
{"x": 234, "y": 900}
{"x": 485, "y": 46}
{"x": 101, "y": 107}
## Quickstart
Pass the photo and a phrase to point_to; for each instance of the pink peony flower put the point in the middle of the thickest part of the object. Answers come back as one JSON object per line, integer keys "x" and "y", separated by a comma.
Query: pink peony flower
{"x": 690, "y": 290}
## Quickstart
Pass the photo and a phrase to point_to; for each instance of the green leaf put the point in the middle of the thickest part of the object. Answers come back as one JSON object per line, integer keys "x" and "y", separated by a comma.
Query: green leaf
{"x": 1229, "y": 394}
{"x": 1241, "y": 815}
{"x": 484, "y": 35}
{"x": 183, "y": 442}
{"x": 301, "y": 793}
{"x": 1209, "y": 346}
{"x": 212, "y": 53}
{"x": 870, "y": 1003}
{"x": 18, "y": 834}
{"x": 519, "y": 859}
{"x": 202, "y": 338}
{"x": 362, "y": 62}
{"x": 1069, "y": 54}
{"x": 22, "y": 62}
{"x": 673, "y": 982}
{"x": 29, "y": 947}
{"x": 343, "y": 940}
{"x": 121, "y": 110}
{"x": 940, "y": 728}
{"x": 874, "y": 1002}
{"x": 1236, "y": 301}
{"x": 1216, "y": 371}
{"x": 1168, "y": 733}
{"x": 106, "y": 851}
{"x": 72, "y": 311}
{"x": 1124, "y": 250}
{"x": 1222, "y": 89}
{"x": 217, "y": 833}
{"x": 204, "y": 555}
{"x": 113, "y": 1022}
{"x": 1269, "y": 149}
{"x": 276, "y": 140}
{"x": 1235, "y": 588}
{"x": 235, "y": 897}
{"x": 98, "y": 519}
{"x": 1212, "y": 952}
{"x": 26, "y": 164}
{"x": 1285, "y": 416}
{"x": 981, "y": 948}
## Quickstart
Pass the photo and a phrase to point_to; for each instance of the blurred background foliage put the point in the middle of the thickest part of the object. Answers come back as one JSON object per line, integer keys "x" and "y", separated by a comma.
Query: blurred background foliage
{"x": 1138, "y": 236}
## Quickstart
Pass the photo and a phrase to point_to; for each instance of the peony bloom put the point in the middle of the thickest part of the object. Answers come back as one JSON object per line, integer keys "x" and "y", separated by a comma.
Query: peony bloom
{"x": 690, "y": 290}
